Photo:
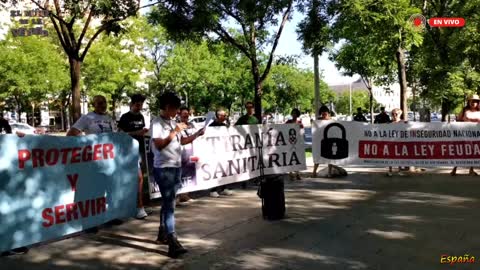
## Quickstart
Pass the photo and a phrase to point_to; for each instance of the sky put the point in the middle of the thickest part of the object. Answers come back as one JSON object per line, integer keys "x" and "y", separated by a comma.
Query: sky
{"x": 289, "y": 45}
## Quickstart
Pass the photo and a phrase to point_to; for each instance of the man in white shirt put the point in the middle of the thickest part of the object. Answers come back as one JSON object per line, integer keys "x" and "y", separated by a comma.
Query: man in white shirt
{"x": 94, "y": 122}
{"x": 167, "y": 141}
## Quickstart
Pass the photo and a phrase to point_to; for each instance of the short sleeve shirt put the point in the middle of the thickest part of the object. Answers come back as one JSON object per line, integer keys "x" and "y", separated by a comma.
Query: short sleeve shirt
{"x": 133, "y": 122}
{"x": 93, "y": 123}
{"x": 171, "y": 155}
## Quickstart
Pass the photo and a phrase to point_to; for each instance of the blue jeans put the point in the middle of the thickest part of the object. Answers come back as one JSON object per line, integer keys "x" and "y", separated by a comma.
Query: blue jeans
{"x": 169, "y": 181}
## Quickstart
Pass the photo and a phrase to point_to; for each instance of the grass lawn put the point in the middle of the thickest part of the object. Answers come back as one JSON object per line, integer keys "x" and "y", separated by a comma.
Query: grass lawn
{"x": 308, "y": 153}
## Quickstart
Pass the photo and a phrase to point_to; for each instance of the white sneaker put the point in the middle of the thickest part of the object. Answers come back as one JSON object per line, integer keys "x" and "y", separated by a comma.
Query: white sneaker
{"x": 141, "y": 214}
{"x": 214, "y": 194}
{"x": 227, "y": 192}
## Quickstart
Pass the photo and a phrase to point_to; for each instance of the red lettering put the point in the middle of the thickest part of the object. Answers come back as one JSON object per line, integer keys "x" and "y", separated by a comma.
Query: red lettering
{"x": 46, "y": 215}
{"x": 84, "y": 208}
{"x": 101, "y": 205}
{"x": 87, "y": 153}
{"x": 76, "y": 155}
{"x": 52, "y": 156}
{"x": 37, "y": 158}
{"x": 59, "y": 214}
{"x": 73, "y": 178}
{"x": 23, "y": 156}
{"x": 64, "y": 152}
{"x": 97, "y": 152}
{"x": 108, "y": 151}
{"x": 71, "y": 210}
{"x": 92, "y": 208}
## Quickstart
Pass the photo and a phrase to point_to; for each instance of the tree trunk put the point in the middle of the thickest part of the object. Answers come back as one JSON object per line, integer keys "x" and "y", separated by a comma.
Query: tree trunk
{"x": 370, "y": 94}
{"x": 317, "y": 85}
{"x": 114, "y": 108}
{"x": 402, "y": 79}
{"x": 62, "y": 117}
{"x": 75, "y": 73}
{"x": 445, "y": 109}
{"x": 258, "y": 101}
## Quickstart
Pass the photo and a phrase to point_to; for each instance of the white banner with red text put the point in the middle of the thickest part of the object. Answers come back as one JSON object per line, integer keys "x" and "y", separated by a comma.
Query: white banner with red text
{"x": 396, "y": 144}
{"x": 228, "y": 155}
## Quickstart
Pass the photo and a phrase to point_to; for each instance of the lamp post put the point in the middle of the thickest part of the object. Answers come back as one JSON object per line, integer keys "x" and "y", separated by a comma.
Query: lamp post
{"x": 351, "y": 98}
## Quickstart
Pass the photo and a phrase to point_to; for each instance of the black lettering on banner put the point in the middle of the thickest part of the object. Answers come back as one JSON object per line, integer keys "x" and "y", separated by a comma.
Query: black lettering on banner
{"x": 205, "y": 168}
{"x": 294, "y": 158}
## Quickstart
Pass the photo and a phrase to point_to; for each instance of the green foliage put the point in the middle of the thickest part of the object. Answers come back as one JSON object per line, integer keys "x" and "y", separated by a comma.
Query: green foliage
{"x": 30, "y": 72}
{"x": 314, "y": 30}
{"x": 116, "y": 63}
{"x": 290, "y": 87}
{"x": 359, "y": 99}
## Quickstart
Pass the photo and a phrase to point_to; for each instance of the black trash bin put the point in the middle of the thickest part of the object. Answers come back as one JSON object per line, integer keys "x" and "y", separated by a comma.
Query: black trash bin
{"x": 272, "y": 192}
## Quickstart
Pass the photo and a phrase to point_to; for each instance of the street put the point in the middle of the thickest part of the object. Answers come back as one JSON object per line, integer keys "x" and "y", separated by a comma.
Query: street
{"x": 363, "y": 221}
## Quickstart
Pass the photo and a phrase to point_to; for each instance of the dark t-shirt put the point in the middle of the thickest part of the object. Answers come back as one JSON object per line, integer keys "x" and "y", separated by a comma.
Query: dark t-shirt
{"x": 382, "y": 118}
{"x": 218, "y": 124}
{"x": 247, "y": 120}
{"x": 133, "y": 122}
{"x": 359, "y": 117}
{"x": 5, "y": 126}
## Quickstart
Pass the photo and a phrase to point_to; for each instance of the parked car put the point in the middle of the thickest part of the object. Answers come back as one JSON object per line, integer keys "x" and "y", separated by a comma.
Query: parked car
{"x": 198, "y": 121}
{"x": 26, "y": 129}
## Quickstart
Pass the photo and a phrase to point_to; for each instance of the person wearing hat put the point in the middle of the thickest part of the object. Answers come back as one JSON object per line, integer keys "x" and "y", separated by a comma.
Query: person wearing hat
{"x": 471, "y": 113}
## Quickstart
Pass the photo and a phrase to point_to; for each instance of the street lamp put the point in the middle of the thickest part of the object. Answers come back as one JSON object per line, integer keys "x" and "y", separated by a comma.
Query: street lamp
{"x": 351, "y": 98}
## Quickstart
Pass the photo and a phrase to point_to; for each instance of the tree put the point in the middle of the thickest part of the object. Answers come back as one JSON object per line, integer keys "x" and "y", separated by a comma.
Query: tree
{"x": 358, "y": 56}
{"x": 359, "y": 99}
{"x": 289, "y": 87}
{"x": 314, "y": 32}
{"x": 29, "y": 72}
{"x": 78, "y": 24}
{"x": 446, "y": 67}
{"x": 251, "y": 19}
{"x": 384, "y": 28}
{"x": 116, "y": 63}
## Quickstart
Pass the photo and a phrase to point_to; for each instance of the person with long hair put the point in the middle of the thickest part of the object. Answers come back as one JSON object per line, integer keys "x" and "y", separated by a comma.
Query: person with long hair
{"x": 470, "y": 113}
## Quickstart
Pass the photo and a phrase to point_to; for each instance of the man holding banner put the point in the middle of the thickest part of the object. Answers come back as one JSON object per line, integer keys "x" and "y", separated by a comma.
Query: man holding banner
{"x": 166, "y": 143}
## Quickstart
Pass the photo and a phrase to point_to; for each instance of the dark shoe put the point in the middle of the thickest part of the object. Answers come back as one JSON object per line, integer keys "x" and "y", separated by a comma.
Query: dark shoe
{"x": 114, "y": 222}
{"x": 92, "y": 230}
{"x": 15, "y": 251}
{"x": 162, "y": 236}
{"x": 175, "y": 249}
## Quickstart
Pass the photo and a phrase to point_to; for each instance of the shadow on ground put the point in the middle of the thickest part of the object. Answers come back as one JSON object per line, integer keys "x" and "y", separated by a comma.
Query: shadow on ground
{"x": 363, "y": 221}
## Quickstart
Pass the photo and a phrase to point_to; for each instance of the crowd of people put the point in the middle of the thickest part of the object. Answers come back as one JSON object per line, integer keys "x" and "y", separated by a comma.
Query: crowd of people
{"x": 172, "y": 135}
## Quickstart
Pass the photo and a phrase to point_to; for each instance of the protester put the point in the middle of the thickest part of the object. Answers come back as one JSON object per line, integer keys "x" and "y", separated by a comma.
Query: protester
{"x": 183, "y": 116}
{"x": 220, "y": 121}
{"x": 4, "y": 125}
{"x": 294, "y": 120}
{"x": 359, "y": 117}
{"x": 396, "y": 118}
{"x": 248, "y": 118}
{"x": 382, "y": 117}
{"x": 167, "y": 139}
{"x": 133, "y": 123}
{"x": 95, "y": 122}
{"x": 471, "y": 113}
{"x": 333, "y": 170}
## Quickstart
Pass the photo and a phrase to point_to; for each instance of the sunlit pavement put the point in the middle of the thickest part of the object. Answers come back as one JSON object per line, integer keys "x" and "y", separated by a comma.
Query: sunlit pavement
{"x": 363, "y": 221}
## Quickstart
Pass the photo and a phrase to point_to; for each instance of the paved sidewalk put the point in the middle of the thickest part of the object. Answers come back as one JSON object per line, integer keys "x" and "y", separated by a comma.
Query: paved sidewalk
{"x": 362, "y": 221}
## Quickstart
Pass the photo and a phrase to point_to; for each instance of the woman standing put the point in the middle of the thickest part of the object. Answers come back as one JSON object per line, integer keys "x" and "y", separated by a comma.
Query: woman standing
{"x": 295, "y": 115}
{"x": 471, "y": 113}
{"x": 396, "y": 118}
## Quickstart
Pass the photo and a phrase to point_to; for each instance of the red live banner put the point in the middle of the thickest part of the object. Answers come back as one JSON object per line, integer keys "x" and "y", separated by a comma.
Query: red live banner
{"x": 419, "y": 150}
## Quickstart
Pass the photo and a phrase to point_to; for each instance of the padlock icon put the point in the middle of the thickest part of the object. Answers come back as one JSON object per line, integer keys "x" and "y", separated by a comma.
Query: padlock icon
{"x": 334, "y": 148}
